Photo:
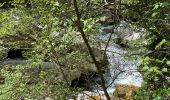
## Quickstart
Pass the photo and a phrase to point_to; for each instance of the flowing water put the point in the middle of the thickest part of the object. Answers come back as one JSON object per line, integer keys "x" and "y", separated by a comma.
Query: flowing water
{"x": 121, "y": 70}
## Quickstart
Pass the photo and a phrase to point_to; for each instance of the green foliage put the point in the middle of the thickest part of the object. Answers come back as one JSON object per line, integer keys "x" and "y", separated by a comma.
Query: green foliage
{"x": 47, "y": 29}
{"x": 20, "y": 84}
{"x": 147, "y": 94}
{"x": 153, "y": 16}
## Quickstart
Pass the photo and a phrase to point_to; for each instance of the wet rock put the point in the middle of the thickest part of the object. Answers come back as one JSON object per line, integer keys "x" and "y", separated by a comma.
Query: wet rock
{"x": 108, "y": 29}
{"x": 81, "y": 81}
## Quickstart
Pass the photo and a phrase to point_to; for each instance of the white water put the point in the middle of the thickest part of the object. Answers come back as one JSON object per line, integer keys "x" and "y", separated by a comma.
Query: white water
{"x": 117, "y": 63}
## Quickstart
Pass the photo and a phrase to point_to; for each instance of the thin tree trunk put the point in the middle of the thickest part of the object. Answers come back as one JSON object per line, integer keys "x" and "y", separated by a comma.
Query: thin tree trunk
{"x": 90, "y": 50}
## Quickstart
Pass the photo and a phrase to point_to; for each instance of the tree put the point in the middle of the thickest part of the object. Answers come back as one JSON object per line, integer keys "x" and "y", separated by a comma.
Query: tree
{"x": 154, "y": 17}
{"x": 90, "y": 50}
{"x": 36, "y": 22}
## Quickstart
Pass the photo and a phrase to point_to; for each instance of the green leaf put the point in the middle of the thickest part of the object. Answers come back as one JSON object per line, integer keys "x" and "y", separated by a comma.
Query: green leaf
{"x": 168, "y": 63}
{"x": 145, "y": 68}
{"x": 160, "y": 44}
{"x": 1, "y": 4}
{"x": 164, "y": 69}
{"x": 103, "y": 18}
{"x": 87, "y": 22}
{"x": 154, "y": 14}
{"x": 147, "y": 59}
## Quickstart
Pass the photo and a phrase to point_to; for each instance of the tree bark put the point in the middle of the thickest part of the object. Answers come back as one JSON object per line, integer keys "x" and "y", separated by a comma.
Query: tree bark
{"x": 80, "y": 28}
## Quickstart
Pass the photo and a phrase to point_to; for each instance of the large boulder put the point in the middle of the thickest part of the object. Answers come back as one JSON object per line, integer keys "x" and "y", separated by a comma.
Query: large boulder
{"x": 43, "y": 67}
{"x": 83, "y": 61}
{"x": 125, "y": 91}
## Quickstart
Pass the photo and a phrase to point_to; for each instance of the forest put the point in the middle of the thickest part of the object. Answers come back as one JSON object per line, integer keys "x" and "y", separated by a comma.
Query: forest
{"x": 84, "y": 50}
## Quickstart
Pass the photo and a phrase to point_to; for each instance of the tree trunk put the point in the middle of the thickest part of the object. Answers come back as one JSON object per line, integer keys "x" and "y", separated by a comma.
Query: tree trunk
{"x": 80, "y": 28}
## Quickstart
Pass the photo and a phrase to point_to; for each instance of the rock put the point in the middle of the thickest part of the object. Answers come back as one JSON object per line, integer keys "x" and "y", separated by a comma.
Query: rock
{"x": 81, "y": 64}
{"x": 13, "y": 62}
{"x": 70, "y": 75}
{"x": 125, "y": 91}
{"x": 88, "y": 95}
{"x": 108, "y": 29}
{"x": 126, "y": 31}
{"x": 104, "y": 98}
{"x": 44, "y": 66}
{"x": 109, "y": 1}
{"x": 84, "y": 62}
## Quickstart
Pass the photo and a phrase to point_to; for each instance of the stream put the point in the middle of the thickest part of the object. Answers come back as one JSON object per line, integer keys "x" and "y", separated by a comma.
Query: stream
{"x": 121, "y": 70}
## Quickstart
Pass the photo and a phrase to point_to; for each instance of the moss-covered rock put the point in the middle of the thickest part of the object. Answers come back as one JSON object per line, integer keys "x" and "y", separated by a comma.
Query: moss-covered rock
{"x": 77, "y": 62}
{"x": 83, "y": 61}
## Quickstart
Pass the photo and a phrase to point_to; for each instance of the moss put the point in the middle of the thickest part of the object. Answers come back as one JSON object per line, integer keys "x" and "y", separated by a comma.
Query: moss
{"x": 3, "y": 53}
